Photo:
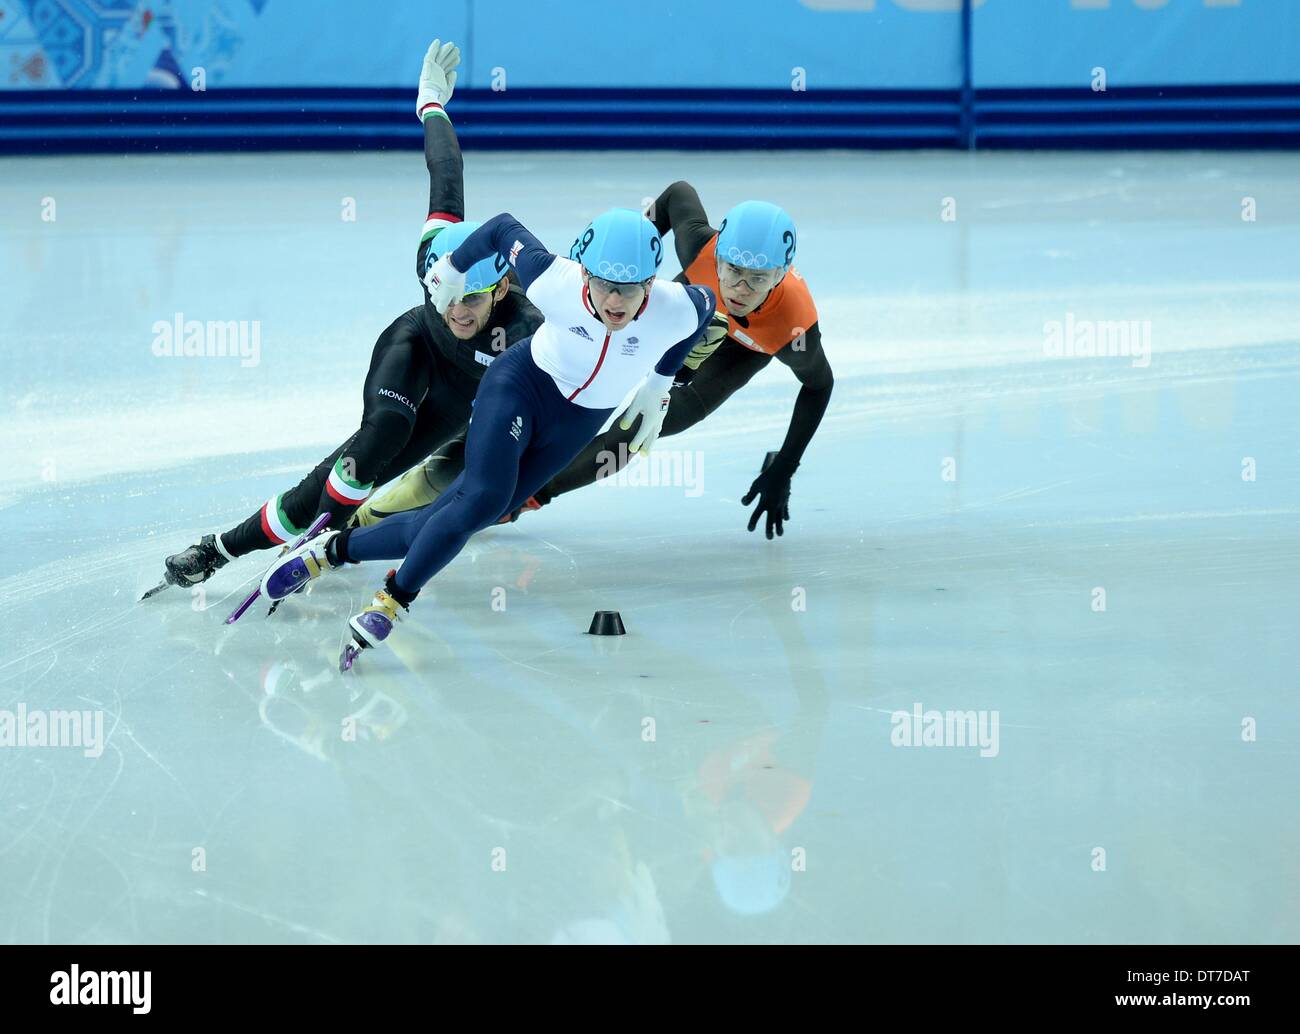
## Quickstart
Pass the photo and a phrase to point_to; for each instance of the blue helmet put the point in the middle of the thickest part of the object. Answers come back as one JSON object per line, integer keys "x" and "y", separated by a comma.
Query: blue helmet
{"x": 757, "y": 235}
{"x": 621, "y": 245}
{"x": 482, "y": 275}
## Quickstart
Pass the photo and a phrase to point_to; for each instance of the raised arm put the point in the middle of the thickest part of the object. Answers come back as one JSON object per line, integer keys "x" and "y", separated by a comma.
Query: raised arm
{"x": 441, "y": 148}
{"x": 446, "y": 181}
{"x": 679, "y": 209}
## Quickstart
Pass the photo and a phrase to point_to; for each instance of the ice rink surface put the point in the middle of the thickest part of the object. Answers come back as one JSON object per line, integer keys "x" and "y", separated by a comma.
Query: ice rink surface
{"x": 1100, "y": 550}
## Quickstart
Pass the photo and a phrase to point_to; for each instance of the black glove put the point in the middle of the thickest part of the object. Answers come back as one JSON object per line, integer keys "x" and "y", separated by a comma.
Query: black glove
{"x": 772, "y": 487}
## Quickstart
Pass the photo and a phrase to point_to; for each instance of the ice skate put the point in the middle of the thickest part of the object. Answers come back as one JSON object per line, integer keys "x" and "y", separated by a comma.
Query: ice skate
{"x": 296, "y": 569}
{"x": 371, "y": 627}
{"x": 191, "y": 566}
{"x": 308, "y": 536}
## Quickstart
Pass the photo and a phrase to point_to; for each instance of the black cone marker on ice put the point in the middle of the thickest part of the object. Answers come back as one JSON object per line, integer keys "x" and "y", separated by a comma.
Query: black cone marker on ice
{"x": 606, "y": 622}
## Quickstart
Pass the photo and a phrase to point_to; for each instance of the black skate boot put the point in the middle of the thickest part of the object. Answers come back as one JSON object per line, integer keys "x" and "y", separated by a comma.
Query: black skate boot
{"x": 191, "y": 566}
{"x": 196, "y": 564}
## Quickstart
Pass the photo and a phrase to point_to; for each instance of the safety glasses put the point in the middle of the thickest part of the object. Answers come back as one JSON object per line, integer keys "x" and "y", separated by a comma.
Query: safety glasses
{"x": 478, "y": 300}
{"x": 755, "y": 279}
{"x": 623, "y": 290}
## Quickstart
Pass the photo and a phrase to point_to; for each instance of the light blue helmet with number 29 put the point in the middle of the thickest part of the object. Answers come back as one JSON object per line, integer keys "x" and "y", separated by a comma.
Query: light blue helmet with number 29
{"x": 484, "y": 274}
{"x": 621, "y": 245}
{"x": 757, "y": 235}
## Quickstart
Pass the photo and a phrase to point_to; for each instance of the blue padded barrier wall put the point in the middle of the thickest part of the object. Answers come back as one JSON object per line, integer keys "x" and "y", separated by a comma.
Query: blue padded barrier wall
{"x": 121, "y": 75}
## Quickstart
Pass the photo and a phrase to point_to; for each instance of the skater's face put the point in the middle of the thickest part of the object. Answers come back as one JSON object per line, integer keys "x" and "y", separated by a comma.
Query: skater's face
{"x": 616, "y": 304}
{"x": 470, "y": 315}
{"x": 744, "y": 290}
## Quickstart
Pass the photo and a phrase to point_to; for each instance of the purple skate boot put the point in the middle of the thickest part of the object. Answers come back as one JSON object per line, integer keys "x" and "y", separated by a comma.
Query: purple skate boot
{"x": 373, "y": 625}
{"x": 295, "y": 569}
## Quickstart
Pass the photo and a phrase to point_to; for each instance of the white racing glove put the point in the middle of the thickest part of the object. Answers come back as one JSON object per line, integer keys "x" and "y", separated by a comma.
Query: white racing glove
{"x": 445, "y": 283}
{"x": 651, "y": 405}
{"x": 438, "y": 76}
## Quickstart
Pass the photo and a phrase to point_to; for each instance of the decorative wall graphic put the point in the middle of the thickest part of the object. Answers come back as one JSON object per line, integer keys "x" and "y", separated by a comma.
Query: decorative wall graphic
{"x": 23, "y": 60}
{"x": 120, "y": 44}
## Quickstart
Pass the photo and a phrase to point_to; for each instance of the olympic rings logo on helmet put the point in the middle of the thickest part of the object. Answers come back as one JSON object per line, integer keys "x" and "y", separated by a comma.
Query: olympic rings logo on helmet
{"x": 741, "y": 257}
{"x": 619, "y": 272}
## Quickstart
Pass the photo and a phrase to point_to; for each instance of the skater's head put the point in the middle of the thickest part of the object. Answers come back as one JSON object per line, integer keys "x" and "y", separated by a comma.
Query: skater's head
{"x": 485, "y": 283}
{"x": 620, "y": 253}
{"x": 471, "y": 314}
{"x": 756, "y": 246}
{"x": 616, "y": 304}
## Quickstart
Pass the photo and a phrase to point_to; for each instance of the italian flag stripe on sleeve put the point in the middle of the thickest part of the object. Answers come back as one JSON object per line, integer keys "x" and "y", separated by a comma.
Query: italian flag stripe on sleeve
{"x": 276, "y": 523}
{"x": 343, "y": 489}
{"x": 435, "y": 222}
{"x": 432, "y": 109}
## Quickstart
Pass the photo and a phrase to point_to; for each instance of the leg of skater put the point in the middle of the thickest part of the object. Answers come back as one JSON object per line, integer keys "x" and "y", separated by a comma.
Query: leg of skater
{"x": 522, "y": 432}
{"x": 396, "y": 384}
{"x": 520, "y": 436}
{"x": 522, "y": 426}
{"x": 420, "y": 486}
{"x": 495, "y": 445}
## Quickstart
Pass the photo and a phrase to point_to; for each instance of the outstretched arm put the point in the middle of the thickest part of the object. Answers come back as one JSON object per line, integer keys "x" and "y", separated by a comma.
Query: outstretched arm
{"x": 679, "y": 209}
{"x": 816, "y": 381}
{"x": 771, "y": 488}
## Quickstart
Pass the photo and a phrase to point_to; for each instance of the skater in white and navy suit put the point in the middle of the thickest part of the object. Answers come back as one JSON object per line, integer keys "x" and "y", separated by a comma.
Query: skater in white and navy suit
{"x": 608, "y": 326}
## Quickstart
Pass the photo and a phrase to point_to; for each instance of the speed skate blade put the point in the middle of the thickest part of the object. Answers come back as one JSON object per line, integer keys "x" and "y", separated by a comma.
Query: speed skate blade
{"x": 238, "y": 612}
{"x": 155, "y": 590}
{"x": 349, "y": 654}
{"x": 316, "y": 526}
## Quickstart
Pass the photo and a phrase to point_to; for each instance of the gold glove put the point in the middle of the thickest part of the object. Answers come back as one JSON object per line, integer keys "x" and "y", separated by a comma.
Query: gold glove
{"x": 713, "y": 336}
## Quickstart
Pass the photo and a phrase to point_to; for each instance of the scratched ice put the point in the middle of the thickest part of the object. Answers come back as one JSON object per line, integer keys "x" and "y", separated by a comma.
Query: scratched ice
{"x": 1101, "y": 550}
